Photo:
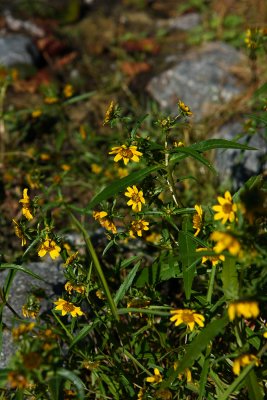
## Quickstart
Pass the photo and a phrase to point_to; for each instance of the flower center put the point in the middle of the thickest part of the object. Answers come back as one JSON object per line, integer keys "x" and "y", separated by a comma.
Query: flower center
{"x": 187, "y": 318}
{"x": 68, "y": 307}
{"x": 136, "y": 198}
{"x": 126, "y": 153}
{"x": 227, "y": 208}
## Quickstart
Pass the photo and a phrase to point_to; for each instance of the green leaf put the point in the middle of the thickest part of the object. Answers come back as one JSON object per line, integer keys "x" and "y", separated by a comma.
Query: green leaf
{"x": 126, "y": 283}
{"x": 203, "y": 378}
{"x": 229, "y": 278}
{"x": 77, "y": 382}
{"x": 81, "y": 97}
{"x": 162, "y": 269}
{"x": 84, "y": 332}
{"x": 21, "y": 269}
{"x": 187, "y": 256}
{"x": 210, "y": 144}
{"x": 121, "y": 184}
{"x": 254, "y": 389}
{"x": 189, "y": 152}
{"x": 260, "y": 118}
{"x": 199, "y": 343}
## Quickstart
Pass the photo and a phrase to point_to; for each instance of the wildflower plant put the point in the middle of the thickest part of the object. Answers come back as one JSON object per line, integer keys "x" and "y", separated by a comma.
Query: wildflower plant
{"x": 169, "y": 303}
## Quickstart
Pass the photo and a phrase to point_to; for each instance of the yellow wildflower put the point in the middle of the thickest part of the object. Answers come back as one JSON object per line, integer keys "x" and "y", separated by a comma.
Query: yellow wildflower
{"x": 67, "y": 307}
{"x": 72, "y": 257}
{"x": 109, "y": 113}
{"x": 141, "y": 394}
{"x": 225, "y": 210}
{"x": 156, "y": 378}
{"x": 247, "y": 309}
{"x": 95, "y": 168}
{"x": 19, "y": 233}
{"x": 21, "y": 329}
{"x": 17, "y": 380}
{"x": 100, "y": 294}
{"x": 100, "y": 216}
{"x": 65, "y": 167}
{"x": 178, "y": 144}
{"x": 225, "y": 241}
{"x": 186, "y": 373}
{"x": 136, "y": 198}
{"x": 36, "y": 113}
{"x": 197, "y": 219}
{"x": 69, "y": 287}
{"x": 122, "y": 172}
{"x": 154, "y": 238}
{"x": 185, "y": 109}
{"x": 49, "y": 246}
{"x": 26, "y": 205}
{"x": 30, "y": 313}
{"x": 213, "y": 259}
{"x": 68, "y": 90}
{"x": 50, "y": 100}
{"x": 137, "y": 227}
{"x": 265, "y": 335}
{"x": 82, "y": 131}
{"x": 44, "y": 156}
{"x": 244, "y": 360}
{"x": 126, "y": 153}
{"x": 187, "y": 317}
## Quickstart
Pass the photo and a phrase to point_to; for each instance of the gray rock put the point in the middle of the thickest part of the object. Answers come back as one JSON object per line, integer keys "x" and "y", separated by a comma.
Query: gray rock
{"x": 53, "y": 276}
{"x": 17, "y": 49}
{"x": 235, "y": 167}
{"x": 183, "y": 22}
{"x": 202, "y": 79}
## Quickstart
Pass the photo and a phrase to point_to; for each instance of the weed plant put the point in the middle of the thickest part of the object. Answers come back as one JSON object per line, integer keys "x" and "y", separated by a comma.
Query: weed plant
{"x": 171, "y": 303}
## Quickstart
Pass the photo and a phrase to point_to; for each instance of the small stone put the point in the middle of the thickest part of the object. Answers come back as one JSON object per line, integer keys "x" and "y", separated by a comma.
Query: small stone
{"x": 17, "y": 49}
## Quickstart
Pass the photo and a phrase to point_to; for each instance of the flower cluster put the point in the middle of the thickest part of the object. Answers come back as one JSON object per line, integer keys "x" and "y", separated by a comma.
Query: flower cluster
{"x": 108, "y": 224}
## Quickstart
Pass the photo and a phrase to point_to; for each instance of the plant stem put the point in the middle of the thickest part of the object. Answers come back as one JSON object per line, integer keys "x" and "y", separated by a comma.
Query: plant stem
{"x": 211, "y": 284}
{"x": 97, "y": 265}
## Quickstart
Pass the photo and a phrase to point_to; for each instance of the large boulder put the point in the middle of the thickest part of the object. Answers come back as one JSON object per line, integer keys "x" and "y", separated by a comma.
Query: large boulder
{"x": 202, "y": 79}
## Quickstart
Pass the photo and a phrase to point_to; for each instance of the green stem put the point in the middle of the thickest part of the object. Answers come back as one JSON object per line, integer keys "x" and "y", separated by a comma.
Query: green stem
{"x": 129, "y": 355}
{"x": 211, "y": 284}
{"x": 62, "y": 325}
{"x": 97, "y": 265}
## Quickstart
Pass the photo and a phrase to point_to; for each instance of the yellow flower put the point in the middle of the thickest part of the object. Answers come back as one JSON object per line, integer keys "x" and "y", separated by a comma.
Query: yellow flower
{"x": 265, "y": 335}
{"x": 95, "y": 168}
{"x": 109, "y": 113}
{"x": 136, "y": 198}
{"x": 186, "y": 373}
{"x": 185, "y": 109}
{"x": 225, "y": 209}
{"x": 213, "y": 259}
{"x": 19, "y": 233}
{"x": 27, "y": 313}
{"x": 225, "y": 241}
{"x": 156, "y": 378}
{"x": 82, "y": 131}
{"x": 36, "y": 113}
{"x": 100, "y": 294}
{"x": 197, "y": 219}
{"x": 17, "y": 380}
{"x": 188, "y": 317}
{"x": 247, "y": 309}
{"x": 44, "y": 156}
{"x": 243, "y": 360}
{"x": 99, "y": 215}
{"x": 68, "y": 90}
{"x": 105, "y": 222}
{"x": 140, "y": 394}
{"x": 21, "y": 329}
{"x": 26, "y": 205}
{"x": 179, "y": 144}
{"x": 137, "y": 227}
{"x": 67, "y": 307}
{"x": 49, "y": 246}
{"x": 50, "y": 100}
{"x": 69, "y": 287}
{"x": 65, "y": 167}
{"x": 154, "y": 238}
{"x": 72, "y": 257}
{"x": 122, "y": 172}
{"x": 126, "y": 153}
